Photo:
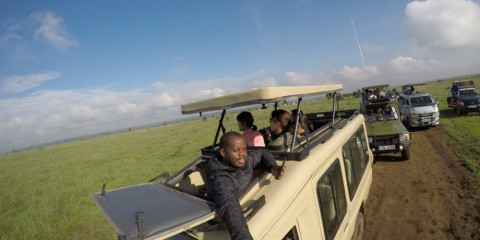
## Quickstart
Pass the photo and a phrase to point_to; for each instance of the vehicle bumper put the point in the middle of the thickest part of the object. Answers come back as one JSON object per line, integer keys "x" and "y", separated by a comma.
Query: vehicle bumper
{"x": 389, "y": 146}
{"x": 425, "y": 121}
{"x": 469, "y": 108}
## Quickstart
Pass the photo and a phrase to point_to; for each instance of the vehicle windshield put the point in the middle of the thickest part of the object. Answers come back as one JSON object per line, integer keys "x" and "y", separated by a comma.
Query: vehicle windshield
{"x": 468, "y": 93}
{"x": 381, "y": 114}
{"x": 421, "y": 101}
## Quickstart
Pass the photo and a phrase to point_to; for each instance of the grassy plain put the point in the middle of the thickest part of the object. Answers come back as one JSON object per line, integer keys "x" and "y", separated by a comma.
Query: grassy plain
{"x": 463, "y": 131}
{"x": 45, "y": 192}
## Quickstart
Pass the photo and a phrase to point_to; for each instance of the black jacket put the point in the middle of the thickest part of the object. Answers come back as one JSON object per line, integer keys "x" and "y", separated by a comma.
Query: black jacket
{"x": 227, "y": 184}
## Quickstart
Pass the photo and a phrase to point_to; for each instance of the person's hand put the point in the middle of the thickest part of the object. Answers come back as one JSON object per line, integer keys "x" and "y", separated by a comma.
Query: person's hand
{"x": 278, "y": 171}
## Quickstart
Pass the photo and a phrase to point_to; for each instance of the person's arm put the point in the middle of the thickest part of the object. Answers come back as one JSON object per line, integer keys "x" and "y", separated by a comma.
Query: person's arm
{"x": 228, "y": 207}
{"x": 267, "y": 162}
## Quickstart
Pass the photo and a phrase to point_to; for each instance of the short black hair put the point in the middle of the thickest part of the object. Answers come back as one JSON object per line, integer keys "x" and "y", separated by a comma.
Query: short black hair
{"x": 226, "y": 137}
{"x": 247, "y": 118}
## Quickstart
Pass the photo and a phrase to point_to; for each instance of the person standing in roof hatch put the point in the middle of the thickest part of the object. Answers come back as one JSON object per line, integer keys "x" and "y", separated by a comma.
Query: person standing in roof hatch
{"x": 229, "y": 175}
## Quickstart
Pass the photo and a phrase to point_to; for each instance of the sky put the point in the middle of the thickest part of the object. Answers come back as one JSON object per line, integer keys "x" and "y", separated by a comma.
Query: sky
{"x": 75, "y": 68}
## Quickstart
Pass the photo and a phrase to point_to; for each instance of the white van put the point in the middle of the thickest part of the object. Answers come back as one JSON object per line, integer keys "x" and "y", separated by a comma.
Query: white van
{"x": 418, "y": 109}
{"x": 321, "y": 196}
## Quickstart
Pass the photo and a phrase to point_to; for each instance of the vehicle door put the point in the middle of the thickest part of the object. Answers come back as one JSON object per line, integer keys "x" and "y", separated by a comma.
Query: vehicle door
{"x": 330, "y": 186}
{"x": 404, "y": 107}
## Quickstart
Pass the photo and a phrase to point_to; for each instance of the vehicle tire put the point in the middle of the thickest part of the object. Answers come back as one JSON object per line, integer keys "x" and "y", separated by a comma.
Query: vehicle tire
{"x": 409, "y": 126}
{"x": 459, "y": 113}
{"x": 406, "y": 153}
{"x": 359, "y": 227}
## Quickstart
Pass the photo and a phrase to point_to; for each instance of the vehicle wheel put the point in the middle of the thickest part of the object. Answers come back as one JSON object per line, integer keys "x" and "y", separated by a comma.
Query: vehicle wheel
{"x": 459, "y": 113}
{"x": 409, "y": 126}
{"x": 406, "y": 153}
{"x": 359, "y": 227}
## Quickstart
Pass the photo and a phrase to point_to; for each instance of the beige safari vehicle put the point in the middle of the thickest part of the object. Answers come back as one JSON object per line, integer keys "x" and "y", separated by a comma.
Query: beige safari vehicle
{"x": 321, "y": 196}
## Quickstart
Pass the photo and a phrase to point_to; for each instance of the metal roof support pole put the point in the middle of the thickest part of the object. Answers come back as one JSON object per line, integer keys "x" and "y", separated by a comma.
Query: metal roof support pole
{"x": 220, "y": 126}
{"x": 299, "y": 109}
{"x": 335, "y": 100}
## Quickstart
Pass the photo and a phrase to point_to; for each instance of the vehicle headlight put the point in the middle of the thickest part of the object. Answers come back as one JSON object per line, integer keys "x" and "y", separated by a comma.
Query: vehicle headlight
{"x": 413, "y": 115}
{"x": 404, "y": 137}
{"x": 370, "y": 139}
{"x": 461, "y": 103}
{"x": 436, "y": 114}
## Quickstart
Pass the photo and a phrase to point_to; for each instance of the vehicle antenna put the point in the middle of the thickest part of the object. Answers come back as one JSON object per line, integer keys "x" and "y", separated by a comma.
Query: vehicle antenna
{"x": 358, "y": 42}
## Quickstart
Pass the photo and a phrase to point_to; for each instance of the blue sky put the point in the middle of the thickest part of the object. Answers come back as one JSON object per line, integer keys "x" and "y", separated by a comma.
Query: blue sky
{"x": 72, "y": 68}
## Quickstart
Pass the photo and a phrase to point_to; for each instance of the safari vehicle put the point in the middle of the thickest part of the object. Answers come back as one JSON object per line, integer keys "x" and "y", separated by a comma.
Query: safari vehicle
{"x": 418, "y": 109}
{"x": 463, "y": 97}
{"x": 386, "y": 133}
{"x": 321, "y": 195}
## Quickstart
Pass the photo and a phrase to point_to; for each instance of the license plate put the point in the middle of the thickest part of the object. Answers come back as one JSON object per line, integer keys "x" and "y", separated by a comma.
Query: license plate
{"x": 472, "y": 106}
{"x": 386, "y": 147}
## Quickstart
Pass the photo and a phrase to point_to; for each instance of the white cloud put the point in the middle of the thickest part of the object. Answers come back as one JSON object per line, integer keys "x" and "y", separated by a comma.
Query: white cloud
{"x": 51, "y": 115}
{"x": 52, "y": 30}
{"x": 17, "y": 84}
{"x": 294, "y": 78}
{"x": 267, "y": 82}
{"x": 298, "y": 78}
{"x": 411, "y": 65}
{"x": 15, "y": 47}
{"x": 356, "y": 74}
{"x": 444, "y": 23}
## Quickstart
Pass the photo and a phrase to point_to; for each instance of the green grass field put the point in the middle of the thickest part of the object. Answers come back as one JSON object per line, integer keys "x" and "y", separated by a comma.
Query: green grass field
{"x": 45, "y": 193}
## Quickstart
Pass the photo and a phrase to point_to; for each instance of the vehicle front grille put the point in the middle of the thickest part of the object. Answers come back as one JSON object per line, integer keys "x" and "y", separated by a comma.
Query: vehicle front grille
{"x": 386, "y": 139}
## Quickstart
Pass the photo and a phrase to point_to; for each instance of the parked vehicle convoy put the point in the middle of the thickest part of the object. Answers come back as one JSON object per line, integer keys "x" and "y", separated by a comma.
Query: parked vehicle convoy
{"x": 463, "y": 97}
{"x": 418, "y": 109}
{"x": 386, "y": 133}
{"x": 321, "y": 195}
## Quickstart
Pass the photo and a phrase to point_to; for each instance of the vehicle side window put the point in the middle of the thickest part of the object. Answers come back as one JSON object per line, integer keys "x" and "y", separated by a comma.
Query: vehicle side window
{"x": 292, "y": 234}
{"x": 333, "y": 203}
{"x": 355, "y": 159}
{"x": 348, "y": 150}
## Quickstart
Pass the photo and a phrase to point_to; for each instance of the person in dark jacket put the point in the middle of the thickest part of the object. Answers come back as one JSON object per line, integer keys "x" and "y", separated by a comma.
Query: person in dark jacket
{"x": 230, "y": 174}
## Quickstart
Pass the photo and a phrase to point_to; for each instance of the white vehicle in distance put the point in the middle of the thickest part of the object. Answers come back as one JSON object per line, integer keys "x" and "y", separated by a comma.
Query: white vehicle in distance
{"x": 418, "y": 109}
{"x": 321, "y": 195}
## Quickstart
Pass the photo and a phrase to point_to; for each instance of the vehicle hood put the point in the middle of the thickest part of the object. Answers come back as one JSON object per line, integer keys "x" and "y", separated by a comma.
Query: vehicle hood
{"x": 424, "y": 109}
{"x": 165, "y": 211}
{"x": 385, "y": 128}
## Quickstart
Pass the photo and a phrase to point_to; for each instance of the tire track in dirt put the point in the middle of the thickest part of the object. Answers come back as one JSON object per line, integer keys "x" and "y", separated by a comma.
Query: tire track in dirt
{"x": 426, "y": 197}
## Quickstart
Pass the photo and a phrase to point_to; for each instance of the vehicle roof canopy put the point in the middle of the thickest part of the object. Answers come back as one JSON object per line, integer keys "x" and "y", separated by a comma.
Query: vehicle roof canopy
{"x": 257, "y": 96}
{"x": 412, "y": 85}
{"x": 376, "y": 86}
{"x": 464, "y": 84}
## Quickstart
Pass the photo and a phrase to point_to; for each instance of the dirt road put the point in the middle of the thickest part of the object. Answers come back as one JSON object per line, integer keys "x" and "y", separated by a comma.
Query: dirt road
{"x": 427, "y": 197}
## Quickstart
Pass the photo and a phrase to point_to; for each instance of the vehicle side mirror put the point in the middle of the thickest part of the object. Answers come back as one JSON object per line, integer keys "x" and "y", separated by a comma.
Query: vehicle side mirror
{"x": 436, "y": 103}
